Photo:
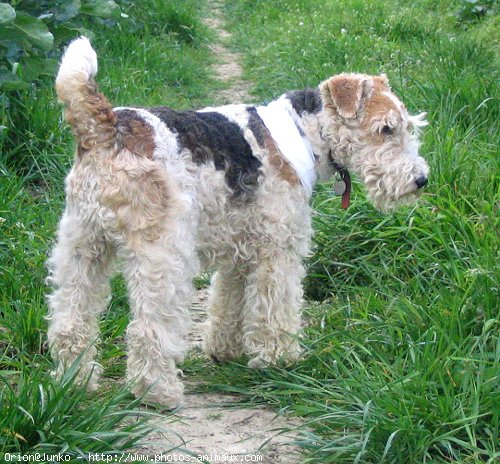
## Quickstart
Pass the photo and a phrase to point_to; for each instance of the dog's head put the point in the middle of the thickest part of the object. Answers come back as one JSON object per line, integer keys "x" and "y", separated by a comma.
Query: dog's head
{"x": 371, "y": 134}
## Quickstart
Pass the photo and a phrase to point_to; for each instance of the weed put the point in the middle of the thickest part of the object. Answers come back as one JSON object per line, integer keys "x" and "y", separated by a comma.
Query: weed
{"x": 42, "y": 415}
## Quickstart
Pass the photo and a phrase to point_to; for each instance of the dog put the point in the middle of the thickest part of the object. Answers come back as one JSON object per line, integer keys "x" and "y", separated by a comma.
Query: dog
{"x": 162, "y": 192}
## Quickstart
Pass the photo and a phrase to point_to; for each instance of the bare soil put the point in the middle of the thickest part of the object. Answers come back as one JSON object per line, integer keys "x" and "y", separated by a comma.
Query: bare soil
{"x": 214, "y": 424}
{"x": 228, "y": 68}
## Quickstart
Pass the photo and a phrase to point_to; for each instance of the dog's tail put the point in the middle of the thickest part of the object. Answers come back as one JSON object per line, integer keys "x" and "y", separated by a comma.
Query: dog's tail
{"x": 88, "y": 112}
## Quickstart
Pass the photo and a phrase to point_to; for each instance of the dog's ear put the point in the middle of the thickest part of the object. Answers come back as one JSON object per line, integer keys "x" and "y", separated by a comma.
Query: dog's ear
{"x": 346, "y": 93}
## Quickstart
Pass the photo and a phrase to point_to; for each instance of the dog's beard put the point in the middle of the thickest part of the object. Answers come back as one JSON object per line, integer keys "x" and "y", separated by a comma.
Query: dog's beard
{"x": 390, "y": 181}
{"x": 386, "y": 201}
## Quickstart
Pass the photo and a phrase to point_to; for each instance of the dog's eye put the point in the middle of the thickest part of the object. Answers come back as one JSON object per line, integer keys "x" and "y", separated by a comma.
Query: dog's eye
{"x": 387, "y": 130}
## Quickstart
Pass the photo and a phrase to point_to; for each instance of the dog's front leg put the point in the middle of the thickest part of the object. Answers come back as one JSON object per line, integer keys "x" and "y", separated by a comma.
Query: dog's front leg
{"x": 159, "y": 277}
{"x": 223, "y": 340}
{"x": 273, "y": 300}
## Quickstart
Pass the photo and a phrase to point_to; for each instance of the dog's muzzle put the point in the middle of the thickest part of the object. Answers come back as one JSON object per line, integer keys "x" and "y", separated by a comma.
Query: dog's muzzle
{"x": 421, "y": 181}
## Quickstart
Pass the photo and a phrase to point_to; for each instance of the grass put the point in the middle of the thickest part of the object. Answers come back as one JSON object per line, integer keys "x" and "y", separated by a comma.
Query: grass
{"x": 43, "y": 415}
{"x": 402, "y": 347}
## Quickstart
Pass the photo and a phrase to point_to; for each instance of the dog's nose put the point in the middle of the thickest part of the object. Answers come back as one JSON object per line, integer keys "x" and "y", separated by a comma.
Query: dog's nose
{"x": 421, "y": 182}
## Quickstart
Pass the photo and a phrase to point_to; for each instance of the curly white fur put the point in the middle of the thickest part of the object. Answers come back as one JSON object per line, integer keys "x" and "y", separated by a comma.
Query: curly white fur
{"x": 80, "y": 59}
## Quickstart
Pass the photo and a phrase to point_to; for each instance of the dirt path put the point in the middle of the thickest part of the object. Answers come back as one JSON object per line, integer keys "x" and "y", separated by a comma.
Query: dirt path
{"x": 228, "y": 68}
{"x": 212, "y": 424}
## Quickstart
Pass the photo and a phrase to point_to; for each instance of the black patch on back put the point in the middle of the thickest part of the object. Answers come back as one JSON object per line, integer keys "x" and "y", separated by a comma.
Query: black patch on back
{"x": 305, "y": 101}
{"x": 256, "y": 125}
{"x": 125, "y": 115}
{"x": 210, "y": 136}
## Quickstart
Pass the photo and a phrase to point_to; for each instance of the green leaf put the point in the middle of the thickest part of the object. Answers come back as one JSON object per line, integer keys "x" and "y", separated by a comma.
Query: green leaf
{"x": 7, "y": 13}
{"x": 68, "y": 10}
{"x": 64, "y": 33}
{"x": 101, "y": 8}
{"x": 35, "y": 30}
{"x": 9, "y": 34}
{"x": 9, "y": 81}
{"x": 33, "y": 67}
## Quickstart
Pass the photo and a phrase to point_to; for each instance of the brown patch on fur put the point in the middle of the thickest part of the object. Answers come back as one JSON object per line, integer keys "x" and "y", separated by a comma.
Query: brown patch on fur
{"x": 377, "y": 105}
{"x": 266, "y": 141}
{"x": 135, "y": 134}
{"x": 278, "y": 162}
{"x": 381, "y": 82}
{"x": 138, "y": 192}
{"x": 89, "y": 113}
{"x": 351, "y": 94}
{"x": 346, "y": 92}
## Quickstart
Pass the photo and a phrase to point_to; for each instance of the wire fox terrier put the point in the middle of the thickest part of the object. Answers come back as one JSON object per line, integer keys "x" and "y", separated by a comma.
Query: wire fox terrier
{"x": 160, "y": 190}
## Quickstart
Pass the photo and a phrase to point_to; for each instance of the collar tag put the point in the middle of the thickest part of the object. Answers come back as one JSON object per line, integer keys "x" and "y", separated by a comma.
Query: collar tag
{"x": 339, "y": 187}
{"x": 342, "y": 185}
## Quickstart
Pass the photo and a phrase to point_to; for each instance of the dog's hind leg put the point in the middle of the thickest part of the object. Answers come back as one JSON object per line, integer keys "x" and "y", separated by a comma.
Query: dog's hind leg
{"x": 223, "y": 340}
{"x": 159, "y": 276}
{"x": 273, "y": 299}
{"x": 80, "y": 268}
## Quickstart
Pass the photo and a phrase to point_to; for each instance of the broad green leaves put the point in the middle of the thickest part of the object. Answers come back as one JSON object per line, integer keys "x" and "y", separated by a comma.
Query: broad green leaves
{"x": 30, "y": 33}
{"x": 69, "y": 9}
{"x": 35, "y": 31}
{"x": 101, "y": 8}
{"x": 7, "y": 13}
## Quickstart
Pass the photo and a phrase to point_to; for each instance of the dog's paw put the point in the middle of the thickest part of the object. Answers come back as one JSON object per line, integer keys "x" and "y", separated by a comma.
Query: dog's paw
{"x": 258, "y": 363}
{"x": 161, "y": 394}
{"x": 286, "y": 356}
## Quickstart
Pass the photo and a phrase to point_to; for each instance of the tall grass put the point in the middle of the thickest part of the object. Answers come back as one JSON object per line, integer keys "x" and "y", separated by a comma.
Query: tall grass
{"x": 42, "y": 415}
